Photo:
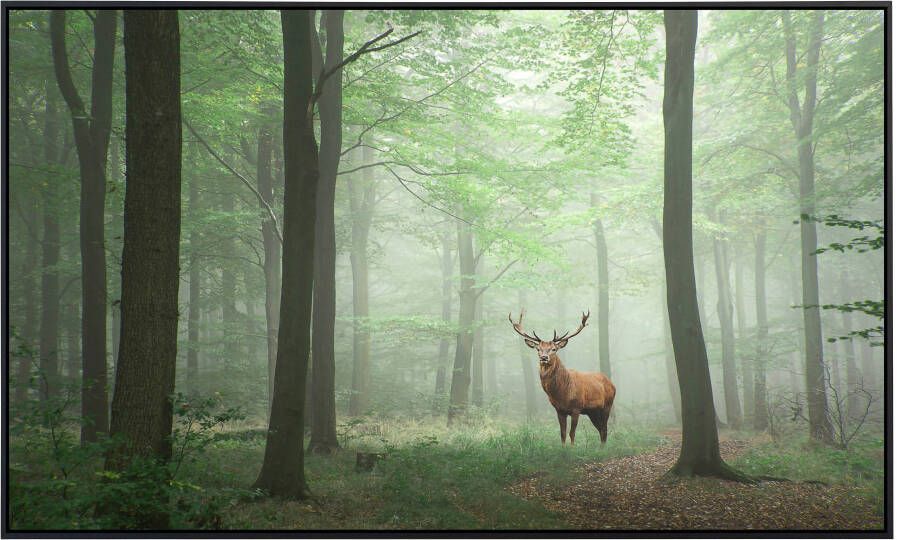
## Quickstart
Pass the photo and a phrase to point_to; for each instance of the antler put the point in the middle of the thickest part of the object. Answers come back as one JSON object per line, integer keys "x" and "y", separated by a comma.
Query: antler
{"x": 585, "y": 317}
{"x": 519, "y": 328}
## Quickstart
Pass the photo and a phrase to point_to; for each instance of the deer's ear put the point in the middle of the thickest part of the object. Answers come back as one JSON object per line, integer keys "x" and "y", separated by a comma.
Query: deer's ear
{"x": 530, "y": 343}
{"x": 561, "y": 344}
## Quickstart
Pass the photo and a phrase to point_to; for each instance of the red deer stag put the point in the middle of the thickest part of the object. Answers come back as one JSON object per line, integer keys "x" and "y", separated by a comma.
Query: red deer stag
{"x": 570, "y": 392}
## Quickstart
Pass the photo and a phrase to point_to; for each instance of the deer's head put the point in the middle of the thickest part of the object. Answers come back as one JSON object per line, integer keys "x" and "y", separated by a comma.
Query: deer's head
{"x": 545, "y": 349}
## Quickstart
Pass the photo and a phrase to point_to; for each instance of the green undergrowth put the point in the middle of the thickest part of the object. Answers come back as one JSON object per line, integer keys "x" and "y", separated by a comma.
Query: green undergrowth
{"x": 430, "y": 477}
{"x": 860, "y": 467}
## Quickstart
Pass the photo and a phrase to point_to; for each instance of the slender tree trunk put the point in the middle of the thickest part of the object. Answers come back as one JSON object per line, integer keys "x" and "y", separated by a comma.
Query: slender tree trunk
{"x": 194, "y": 293}
{"x": 761, "y": 419}
{"x": 796, "y": 370}
{"x": 490, "y": 365}
{"x": 526, "y": 364}
{"x": 854, "y": 403}
{"x": 699, "y": 454}
{"x": 323, "y": 422}
{"x": 802, "y": 121}
{"x": 460, "y": 389}
{"x": 603, "y": 295}
{"x": 446, "y": 308}
{"x": 48, "y": 347}
{"x": 30, "y": 264}
{"x": 145, "y": 375}
{"x": 745, "y": 360}
{"x": 283, "y": 472}
{"x": 271, "y": 246}
{"x": 724, "y": 311}
{"x": 91, "y": 130}
{"x": 230, "y": 328}
{"x": 477, "y": 353}
{"x": 361, "y": 201}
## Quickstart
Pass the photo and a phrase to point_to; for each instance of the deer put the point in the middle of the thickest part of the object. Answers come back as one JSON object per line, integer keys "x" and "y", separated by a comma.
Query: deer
{"x": 569, "y": 391}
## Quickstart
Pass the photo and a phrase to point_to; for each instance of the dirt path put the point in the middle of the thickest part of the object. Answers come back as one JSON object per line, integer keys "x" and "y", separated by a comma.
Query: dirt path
{"x": 630, "y": 493}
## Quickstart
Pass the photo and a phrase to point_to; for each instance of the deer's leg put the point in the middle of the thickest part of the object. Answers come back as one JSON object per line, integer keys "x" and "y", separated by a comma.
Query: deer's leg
{"x": 562, "y": 420}
{"x": 574, "y": 418}
{"x": 602, "y": 424}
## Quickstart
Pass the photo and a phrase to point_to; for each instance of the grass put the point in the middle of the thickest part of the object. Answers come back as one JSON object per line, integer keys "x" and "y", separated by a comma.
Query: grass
{"x": 861, "y": 467}
{"x": 431, "y": 478}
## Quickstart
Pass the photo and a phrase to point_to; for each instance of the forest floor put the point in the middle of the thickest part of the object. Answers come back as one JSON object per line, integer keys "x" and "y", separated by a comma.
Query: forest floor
{"x": 632, "y": 492}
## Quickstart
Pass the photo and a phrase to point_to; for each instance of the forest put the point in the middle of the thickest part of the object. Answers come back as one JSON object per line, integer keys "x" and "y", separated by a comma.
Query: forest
{"x": 365, "y": 269}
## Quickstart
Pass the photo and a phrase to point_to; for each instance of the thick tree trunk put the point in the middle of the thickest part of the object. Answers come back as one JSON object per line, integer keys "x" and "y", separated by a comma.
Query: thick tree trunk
{"x": 194, "y": 295}
{"x": 761, "y": 419}
{"x": 669, "y": 357}
{"x": 145, "y": 375}
{"x": 746, "y": 362}
{"x": 323, "y": 421}
{"x": 460, "y": 389}
{"x": 283, "y": 472}
{"x": 603, "y": 295}
{"x": 527, "y": 359}
{"x": 699, "y": 454}
{"x": 802, "y": 121}
{"x": 91, "y": 130}
{"x": 271, "y": 246}
{"x": 446, "y": 308}
{"x": 48, "y": 346}
{"x": 361, "y": 201}
{"x": 724, "y": 311}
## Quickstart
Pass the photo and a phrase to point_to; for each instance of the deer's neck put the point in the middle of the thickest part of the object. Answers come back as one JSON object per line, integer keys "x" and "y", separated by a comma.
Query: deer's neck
{"x": 555, "y": 375}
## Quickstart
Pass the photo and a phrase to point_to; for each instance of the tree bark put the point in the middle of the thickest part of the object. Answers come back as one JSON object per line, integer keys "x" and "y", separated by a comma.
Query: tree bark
{"x": 145, "y": 375}
{"x": 48, "y": 346}
{"x": 669, "y": 357}
{"x": 854, "y": 403}
{"x": 446, "y": 308}
{"x": 761, "y": 418}
{"x": 746, "y": 362}
{"x": 323, "y": 421}
{"x": 283, "y": 472}
{"x": 603, "y": 295}
{"x": 271, "y": 246}
{"x": 361, "y": 203}
{"x": 477, "y": 352}
{"x": 724, "y": 311}
{"x": 699, "y": 453}
{"x": 802, "y": 122}
{"x": 460, "y": 389}
{"x": 91, "y": 130}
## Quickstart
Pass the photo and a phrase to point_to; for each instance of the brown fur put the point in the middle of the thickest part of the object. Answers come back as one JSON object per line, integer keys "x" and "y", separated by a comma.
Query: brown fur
{"x": 572, "y": 393}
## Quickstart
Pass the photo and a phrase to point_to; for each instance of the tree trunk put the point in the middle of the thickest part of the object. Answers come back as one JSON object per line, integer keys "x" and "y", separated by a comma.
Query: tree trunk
{"x": 361, "y": 202}
{"x": 854, "y": 403}
{"x": 477, "y": 352}
{"x": 761, "y": 419}
{"x": 724, "y": 311}
{"x": 194, "y": 300}
{"x": 230, "y": 329}
{"x": 746, "y": 362}
{"x": 91, "y": 130}
{"x": 699, "y": 454}
{"x": 799, "y": 327}
{"x": 48, "y": 346}
{"x": 669, "y": 360}
{"x": 145, "y": 375}
{"x": 271, "y": 246}
{"x": 446, "y": 308}
{"x": 603, "y": 295}
{"x": 460, "y": 389}
{"x": 802, "y": 121}
{"x": 323, "y": 421}
{"x": 283, "y": 472}
{"x": 526, "y": 364}
{"x": 30, "y": 265}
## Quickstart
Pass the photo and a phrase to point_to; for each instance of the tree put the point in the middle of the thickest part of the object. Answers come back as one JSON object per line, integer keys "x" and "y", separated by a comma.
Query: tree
{"x": 699, "y": 453}
{"x": 802, "y": 122}
{"x": 323, "y": 421}
{"x": 144, "y": 377}
{"x": 283, "y": 470}
{"x": 761, "y": 417}
{"x": 727, "y": 330}
{"x": 362, "y": 198}
{"x": 91, "y": 130}
{"x": 603, "y": 295}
